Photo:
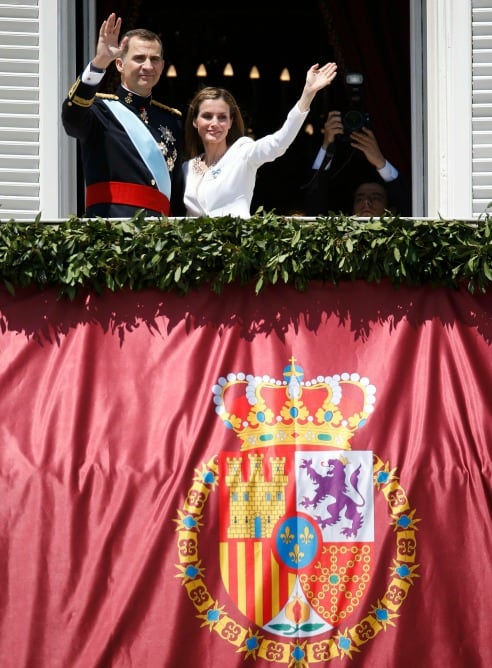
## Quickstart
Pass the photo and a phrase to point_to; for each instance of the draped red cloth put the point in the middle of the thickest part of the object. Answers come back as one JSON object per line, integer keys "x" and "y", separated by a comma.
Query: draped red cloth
{"x": 117, "y": 478}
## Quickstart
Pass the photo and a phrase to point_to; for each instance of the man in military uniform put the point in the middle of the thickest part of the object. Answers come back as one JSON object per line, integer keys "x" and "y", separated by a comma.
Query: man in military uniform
{"x": 131, "y": 145}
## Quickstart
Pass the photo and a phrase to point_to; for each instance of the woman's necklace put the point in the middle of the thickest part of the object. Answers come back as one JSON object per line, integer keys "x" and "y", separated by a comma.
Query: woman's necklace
{"x": 200, "y": 165}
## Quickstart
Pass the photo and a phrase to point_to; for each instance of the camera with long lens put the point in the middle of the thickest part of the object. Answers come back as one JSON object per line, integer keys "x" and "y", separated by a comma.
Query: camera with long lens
{"x": 355, "y": 117}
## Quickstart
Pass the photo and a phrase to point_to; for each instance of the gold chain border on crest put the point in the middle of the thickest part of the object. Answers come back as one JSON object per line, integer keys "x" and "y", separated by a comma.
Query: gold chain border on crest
{"x": 301, "y": 653}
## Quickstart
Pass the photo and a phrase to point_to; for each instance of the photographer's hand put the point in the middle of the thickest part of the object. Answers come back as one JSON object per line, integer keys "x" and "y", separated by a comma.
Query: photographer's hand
{"x": 364, "y": 140}
{"x": 333, "y": 126}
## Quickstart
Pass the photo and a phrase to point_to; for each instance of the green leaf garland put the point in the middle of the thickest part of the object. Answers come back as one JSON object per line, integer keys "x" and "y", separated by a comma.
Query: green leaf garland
{"x": 181, "y": 254}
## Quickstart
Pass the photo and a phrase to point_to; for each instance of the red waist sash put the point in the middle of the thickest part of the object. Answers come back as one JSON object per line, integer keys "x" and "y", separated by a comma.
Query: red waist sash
{"x": 130, "y": 194}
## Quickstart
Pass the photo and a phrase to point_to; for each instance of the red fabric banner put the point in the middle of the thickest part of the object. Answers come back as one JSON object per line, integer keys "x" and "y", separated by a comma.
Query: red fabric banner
{"x": 291, "y": 479}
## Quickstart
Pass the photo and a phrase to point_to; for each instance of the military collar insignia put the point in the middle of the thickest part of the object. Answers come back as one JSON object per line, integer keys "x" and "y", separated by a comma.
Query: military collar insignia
{"x": 133, "y": 100}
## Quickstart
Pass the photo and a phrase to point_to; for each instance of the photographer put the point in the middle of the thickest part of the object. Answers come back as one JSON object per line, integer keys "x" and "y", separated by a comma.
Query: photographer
{"x": 347, "y": 158}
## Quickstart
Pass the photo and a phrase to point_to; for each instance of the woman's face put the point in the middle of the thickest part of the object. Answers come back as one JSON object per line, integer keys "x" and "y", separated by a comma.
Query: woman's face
{"x": 213, "y": 121}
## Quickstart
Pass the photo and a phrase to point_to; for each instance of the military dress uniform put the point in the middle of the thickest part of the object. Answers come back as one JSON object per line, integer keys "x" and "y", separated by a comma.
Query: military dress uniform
{"x": 118, "y": 180}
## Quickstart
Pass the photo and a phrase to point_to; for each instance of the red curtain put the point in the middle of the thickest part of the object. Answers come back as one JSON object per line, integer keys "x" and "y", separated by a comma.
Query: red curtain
{"x": 288, "y": 479}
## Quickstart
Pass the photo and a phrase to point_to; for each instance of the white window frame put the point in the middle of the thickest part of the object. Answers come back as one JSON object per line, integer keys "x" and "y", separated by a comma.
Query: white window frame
{"x": 441, "y": 83}
{"x": 57, "y": 155}
{"x": 447, "y": 105}
{"x": 58, "y": 152}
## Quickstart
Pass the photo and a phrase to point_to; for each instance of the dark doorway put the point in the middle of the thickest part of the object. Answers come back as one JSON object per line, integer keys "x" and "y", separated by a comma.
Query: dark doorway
{"x": 372, "y": 38}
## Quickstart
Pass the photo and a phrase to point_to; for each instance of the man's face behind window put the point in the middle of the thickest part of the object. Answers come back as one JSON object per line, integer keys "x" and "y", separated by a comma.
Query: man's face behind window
{"x": 370, "y": 200}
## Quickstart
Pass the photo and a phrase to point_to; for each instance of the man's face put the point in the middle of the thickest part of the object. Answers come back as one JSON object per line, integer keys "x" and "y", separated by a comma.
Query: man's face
{"x": 141, "y": 67}
{"x": 370, "y": 200}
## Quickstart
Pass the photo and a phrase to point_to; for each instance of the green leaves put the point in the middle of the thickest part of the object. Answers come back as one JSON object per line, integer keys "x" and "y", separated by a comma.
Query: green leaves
{"x": 182, "y": 254}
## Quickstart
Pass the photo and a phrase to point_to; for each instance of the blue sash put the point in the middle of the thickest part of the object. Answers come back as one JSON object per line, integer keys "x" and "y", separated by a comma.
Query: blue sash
{"x": 145, "y": 144}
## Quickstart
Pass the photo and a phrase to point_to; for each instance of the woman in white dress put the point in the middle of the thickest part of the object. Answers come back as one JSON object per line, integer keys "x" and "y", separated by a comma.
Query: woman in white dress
{"x": 221, "y": 171}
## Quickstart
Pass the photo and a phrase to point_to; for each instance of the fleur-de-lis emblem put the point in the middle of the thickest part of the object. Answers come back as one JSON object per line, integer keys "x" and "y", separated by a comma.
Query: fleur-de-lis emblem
{"x": 306, "y": 536}
{"x": 287, "y": 536}
{"x": 296, "y": 555}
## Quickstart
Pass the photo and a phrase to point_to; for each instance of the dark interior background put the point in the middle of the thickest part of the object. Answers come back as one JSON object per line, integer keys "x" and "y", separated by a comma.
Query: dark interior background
{"x": 370, "y": 38}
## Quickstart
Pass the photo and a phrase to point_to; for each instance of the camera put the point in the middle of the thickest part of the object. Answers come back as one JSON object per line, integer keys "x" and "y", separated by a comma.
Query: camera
{"x": 355, "y": 118}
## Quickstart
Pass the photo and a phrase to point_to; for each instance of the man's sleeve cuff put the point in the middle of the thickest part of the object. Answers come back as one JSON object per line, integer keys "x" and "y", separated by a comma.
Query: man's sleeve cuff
{"x": 92, "y": 75}
{"x": 388, "y": 172}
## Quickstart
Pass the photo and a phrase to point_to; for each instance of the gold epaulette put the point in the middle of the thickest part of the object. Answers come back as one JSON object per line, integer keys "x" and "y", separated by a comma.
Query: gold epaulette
{"x": 107, "y": 96}
{"x": 174, "y": 111}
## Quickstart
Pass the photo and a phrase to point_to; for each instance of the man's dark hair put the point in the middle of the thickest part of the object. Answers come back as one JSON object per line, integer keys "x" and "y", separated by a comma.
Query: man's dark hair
{"x": 142, "y": 33}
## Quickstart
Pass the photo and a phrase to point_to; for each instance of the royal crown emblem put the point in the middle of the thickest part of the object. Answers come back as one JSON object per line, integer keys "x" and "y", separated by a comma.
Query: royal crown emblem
{"x": 325, "y": 411}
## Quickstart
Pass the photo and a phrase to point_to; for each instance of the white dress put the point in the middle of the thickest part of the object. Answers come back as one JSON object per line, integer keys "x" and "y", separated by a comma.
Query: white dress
{"x": 227, "y": 188}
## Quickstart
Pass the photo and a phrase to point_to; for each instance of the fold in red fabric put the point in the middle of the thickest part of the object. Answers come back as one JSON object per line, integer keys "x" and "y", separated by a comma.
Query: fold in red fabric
{"x": 283, "y": 479}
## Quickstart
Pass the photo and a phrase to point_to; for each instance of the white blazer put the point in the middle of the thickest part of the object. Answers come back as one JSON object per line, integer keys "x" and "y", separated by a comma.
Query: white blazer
{"x": 227, "y": 188}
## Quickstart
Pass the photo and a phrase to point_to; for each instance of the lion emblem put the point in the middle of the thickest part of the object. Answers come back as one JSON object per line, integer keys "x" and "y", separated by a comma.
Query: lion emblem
{"x": 333, "y": 485}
